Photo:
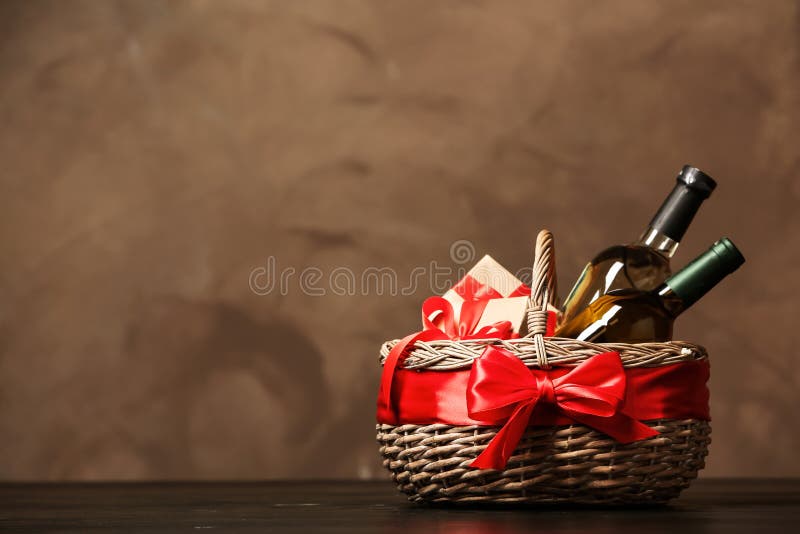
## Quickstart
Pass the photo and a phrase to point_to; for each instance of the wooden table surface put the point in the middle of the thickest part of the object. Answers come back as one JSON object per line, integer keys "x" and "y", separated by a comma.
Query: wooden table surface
{"x": 310, "y": 507}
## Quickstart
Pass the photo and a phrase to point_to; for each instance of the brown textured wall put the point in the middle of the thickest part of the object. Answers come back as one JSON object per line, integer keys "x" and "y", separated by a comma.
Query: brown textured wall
{"x": 155, "y": 153}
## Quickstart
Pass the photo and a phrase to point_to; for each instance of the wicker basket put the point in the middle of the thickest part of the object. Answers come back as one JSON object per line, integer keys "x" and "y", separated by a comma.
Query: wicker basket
{"x": 567, "y": 464}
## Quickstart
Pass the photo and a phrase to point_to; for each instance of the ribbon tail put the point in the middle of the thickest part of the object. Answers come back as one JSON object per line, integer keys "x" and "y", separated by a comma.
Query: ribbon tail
{"x": 502, "y": 445}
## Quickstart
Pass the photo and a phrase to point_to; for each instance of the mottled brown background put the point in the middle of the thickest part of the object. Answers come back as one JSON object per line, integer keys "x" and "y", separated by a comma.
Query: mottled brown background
{"x": 155, "y": 153}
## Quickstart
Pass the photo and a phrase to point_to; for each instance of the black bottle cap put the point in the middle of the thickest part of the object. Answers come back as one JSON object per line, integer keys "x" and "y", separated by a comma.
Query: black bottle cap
{"x": 696, "y": 180}
{"x": 680, "y": 207}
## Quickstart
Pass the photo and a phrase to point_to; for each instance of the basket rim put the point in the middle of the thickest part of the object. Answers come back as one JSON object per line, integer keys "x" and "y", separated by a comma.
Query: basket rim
{"x": 448, "y": 354}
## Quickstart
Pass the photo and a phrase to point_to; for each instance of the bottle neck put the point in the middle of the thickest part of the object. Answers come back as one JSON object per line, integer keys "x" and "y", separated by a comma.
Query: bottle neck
{"x": 697, "y": 278}
{"x": 692, "y": 187}
{"x": 659, "y": 242}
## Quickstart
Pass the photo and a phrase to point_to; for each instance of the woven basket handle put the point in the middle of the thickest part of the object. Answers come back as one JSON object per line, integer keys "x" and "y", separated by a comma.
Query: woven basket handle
{"x": 543, "y": 292}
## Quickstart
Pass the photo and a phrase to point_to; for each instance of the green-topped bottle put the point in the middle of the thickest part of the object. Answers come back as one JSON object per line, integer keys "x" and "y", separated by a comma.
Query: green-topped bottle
{"x": 644, "y": 264}
{"x": 632, "y": 316}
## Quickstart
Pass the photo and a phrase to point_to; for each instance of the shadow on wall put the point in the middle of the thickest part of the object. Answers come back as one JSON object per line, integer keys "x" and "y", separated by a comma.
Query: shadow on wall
{"x": 204, "y": 392}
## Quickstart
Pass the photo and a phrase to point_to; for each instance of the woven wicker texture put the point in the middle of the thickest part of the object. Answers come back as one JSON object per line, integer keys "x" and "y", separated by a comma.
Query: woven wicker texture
{"x": 568, "y": 464}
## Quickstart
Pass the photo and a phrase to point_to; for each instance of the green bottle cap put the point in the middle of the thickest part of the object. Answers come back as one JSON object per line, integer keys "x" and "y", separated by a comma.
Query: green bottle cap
{"x": 705, "y": 271}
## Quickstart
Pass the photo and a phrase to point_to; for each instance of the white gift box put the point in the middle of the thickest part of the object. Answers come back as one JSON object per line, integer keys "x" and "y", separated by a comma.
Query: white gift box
{"x": 488, "y": 272}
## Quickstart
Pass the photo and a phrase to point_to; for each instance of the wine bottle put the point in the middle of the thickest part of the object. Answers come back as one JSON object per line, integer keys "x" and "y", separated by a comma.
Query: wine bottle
{"x": 632, "y": 316}
{"x": 644, "y": 264}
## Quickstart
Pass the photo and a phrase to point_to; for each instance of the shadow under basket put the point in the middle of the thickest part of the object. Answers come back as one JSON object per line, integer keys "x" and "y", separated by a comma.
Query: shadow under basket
{"x": 562, "y": 464}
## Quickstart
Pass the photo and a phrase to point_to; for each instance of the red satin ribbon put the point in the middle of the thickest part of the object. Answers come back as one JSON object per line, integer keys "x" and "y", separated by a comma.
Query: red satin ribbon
{"x": 439, "y": 322}
{"x": 500, "y": 390}
{"x": 475, "y": 295}
{"x": 438, "y": 313}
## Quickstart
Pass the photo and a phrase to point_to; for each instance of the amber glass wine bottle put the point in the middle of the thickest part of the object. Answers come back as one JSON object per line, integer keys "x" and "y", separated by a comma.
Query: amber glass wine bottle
{"x": 644, "y": 264}
{"x": 632, "y": 316}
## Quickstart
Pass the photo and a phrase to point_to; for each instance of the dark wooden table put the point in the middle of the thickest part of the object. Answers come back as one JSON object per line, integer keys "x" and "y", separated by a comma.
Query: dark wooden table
{"x": 310, "y": 507}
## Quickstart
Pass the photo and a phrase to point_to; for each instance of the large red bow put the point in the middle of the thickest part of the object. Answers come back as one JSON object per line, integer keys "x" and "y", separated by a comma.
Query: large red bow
{"x": 439, "y": 322}
{"x": 501, "y": 389}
